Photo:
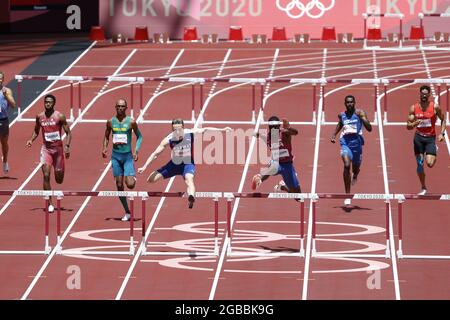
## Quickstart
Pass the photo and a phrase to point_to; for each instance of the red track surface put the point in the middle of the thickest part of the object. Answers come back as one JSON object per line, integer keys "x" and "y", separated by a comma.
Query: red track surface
{"x": 162, "y": 277}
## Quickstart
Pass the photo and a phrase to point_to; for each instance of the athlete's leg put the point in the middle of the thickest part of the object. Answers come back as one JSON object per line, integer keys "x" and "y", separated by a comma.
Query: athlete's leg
{"x": 5, "y": 147}
{"x": 120, "y": 187}
{"x": 155, "y": 176}
{"x": 346, "y": 174}
{"x": 430, "y": 160}
{"x": 58, "y": 161}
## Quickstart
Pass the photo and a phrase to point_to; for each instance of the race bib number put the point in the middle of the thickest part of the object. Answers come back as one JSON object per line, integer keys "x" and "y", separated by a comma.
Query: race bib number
{"x": 182, "y": 152}
{"x": 52, "y": 136}
{"x": 350, "y": 128}
{"x": 120, "y": 138}
{"x": 280, "y": 153}
{"x": 425, "y": 123}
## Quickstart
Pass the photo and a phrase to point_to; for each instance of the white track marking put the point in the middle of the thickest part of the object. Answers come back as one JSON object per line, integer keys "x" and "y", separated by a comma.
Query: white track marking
{"x": 313, "y": 190}
{"x": 161, "y": 202}
{"x": 236, "y": 203}
{"x": 386, "y": 190}
{"x": 46, "y": 90}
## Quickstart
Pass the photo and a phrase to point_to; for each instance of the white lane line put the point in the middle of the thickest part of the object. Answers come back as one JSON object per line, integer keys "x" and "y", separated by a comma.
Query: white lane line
{"x": 236, "y": 203}
{"x": 52, "y": 254}
{"x": 386, "y": 190}
{"x": 161, "y": 202}
{"x": 169, "y": 70}
{"x": 36, "y": 169}
{"x": 46, "y": 90}
{"x": 219, "y": 73}
{"x": 313, "y": 190}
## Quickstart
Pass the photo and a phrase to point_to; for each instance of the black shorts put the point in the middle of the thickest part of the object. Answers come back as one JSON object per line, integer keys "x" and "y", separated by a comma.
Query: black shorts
{"x": 424, "y": 144}
{"x": 4, "y": 127}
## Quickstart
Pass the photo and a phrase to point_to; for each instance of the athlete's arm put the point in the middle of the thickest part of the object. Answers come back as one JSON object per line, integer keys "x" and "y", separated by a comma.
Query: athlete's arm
{"x": 138, "y": 134}
{"x": 106, "y": 138}
{"x": 212, "y": 129}
{"x": 287, "y": 128}
{"x": 363, "y": 116}
{"x": 412, "y": 122}
{"x": 37, "y": 127}
{"x": 155, "y": 154}
{"x": 9, "y": 97}
{"x": 339, "y": 126}
{"x": 441, "y": 116}
{"x": 66, "y": 129}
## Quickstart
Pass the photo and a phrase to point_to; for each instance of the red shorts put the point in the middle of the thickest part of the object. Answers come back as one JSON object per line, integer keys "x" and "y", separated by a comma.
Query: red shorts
{"x": 53, "y": 156}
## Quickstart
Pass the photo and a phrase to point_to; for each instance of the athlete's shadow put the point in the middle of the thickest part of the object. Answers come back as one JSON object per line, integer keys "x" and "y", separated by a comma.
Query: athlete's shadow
{"x": 120, "y": 219}
{"x": 63, "y": 209}
{"x": 279, "y": 249}
{"x": 349, "y": 209}
{"x": 8, "y": 178}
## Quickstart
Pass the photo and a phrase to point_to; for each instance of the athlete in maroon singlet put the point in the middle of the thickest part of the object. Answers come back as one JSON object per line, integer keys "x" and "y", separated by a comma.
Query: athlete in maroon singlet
{"x": 423, "y": 116}
{"x": 53, "y": 150}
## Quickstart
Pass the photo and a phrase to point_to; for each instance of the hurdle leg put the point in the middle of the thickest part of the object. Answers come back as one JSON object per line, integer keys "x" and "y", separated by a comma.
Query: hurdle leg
{"x": 400, "y": 229}
{"x": 388, "y": 253}
{"x": 216, "y": 226}
{"x": 229, "y": 223}
{"x": 302, "y": 228}
{"x": 131, "y": 226}
{"x": 58, "y": 225}
{"x": 47, "y": 247}
{"x": 313, "y": 252}
{"x": 143, "y": 246}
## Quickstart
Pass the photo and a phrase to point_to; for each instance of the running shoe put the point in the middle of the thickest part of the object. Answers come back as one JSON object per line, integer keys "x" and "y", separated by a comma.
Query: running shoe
{"x": 278, "y": 187}
{"x": 5, "y": 167}
{"x": 126, "y": 217}
{"x": 191, "y": 201}
{"x": 347, "y": 202}
{"x": 423, "y": 192}
{"x": 51, "y": 209}
{"x": 256, "y": 182}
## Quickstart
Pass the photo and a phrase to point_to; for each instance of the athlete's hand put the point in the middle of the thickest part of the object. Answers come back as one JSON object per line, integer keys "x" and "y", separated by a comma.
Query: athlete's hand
{"x": 142, "y": 169}
{"x": 417, "y": 122}
{"x": 441, "y": 137}
{"x": 29, "y": 143}
{"x": 135, "y": 156}
{"x": 286, "y": 124}
{"x": 333, "y": 139}
{"x": 67, "y": 151}
{"x": 104, "y": 153}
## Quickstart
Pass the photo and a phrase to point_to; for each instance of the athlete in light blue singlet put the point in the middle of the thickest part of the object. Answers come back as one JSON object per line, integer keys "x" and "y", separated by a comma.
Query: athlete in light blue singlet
{"x": 351, "y": 123}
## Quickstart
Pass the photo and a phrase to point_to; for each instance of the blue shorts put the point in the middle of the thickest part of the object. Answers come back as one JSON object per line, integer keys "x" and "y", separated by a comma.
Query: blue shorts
{"x": 122, "y": 164}
{"x": 171, "y": 169}
{"x": 287, "y": 171}
{"x": 352, "y": 147}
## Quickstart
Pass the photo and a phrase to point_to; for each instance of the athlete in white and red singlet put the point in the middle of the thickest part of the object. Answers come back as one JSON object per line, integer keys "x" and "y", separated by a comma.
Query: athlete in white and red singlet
{"x": 278, "y": 140}
{"x": 423, "y": 116}
{"x": 53, "y": 148}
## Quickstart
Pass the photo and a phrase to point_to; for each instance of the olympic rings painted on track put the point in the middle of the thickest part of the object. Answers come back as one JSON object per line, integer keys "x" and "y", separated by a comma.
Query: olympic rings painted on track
{"x": 297, "y": 5}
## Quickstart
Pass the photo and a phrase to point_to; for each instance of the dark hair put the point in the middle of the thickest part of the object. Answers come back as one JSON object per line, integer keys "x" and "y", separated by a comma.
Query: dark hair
{"x": 274, "y": 119}
{"x": 178, "y": 121}
{"x": 350, "y": 96}
{"x": 50, "y": 96}
{"x": 425, "y": 87}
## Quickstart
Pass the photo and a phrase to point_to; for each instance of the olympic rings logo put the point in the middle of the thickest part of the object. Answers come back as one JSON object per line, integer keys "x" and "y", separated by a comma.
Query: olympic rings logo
{"x": 297, "y": 5}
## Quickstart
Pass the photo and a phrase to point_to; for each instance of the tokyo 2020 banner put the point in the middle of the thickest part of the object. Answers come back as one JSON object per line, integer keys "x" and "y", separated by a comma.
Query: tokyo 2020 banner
{"x": 260, "y": 16}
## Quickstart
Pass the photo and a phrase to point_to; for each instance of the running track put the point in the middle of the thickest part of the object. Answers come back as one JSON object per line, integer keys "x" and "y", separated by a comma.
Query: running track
{"x": 388, "y": 167}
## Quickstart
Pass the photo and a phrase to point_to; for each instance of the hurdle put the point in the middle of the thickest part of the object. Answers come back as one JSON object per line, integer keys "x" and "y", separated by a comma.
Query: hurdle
{"x": 399, "y": 16}
{"x": 402, "y": 198}
{"x": 300, "y": 197}
{"x": 422, "y": 16}
{"x": 361, "y": 196}
{"x": 215, "y": 196}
